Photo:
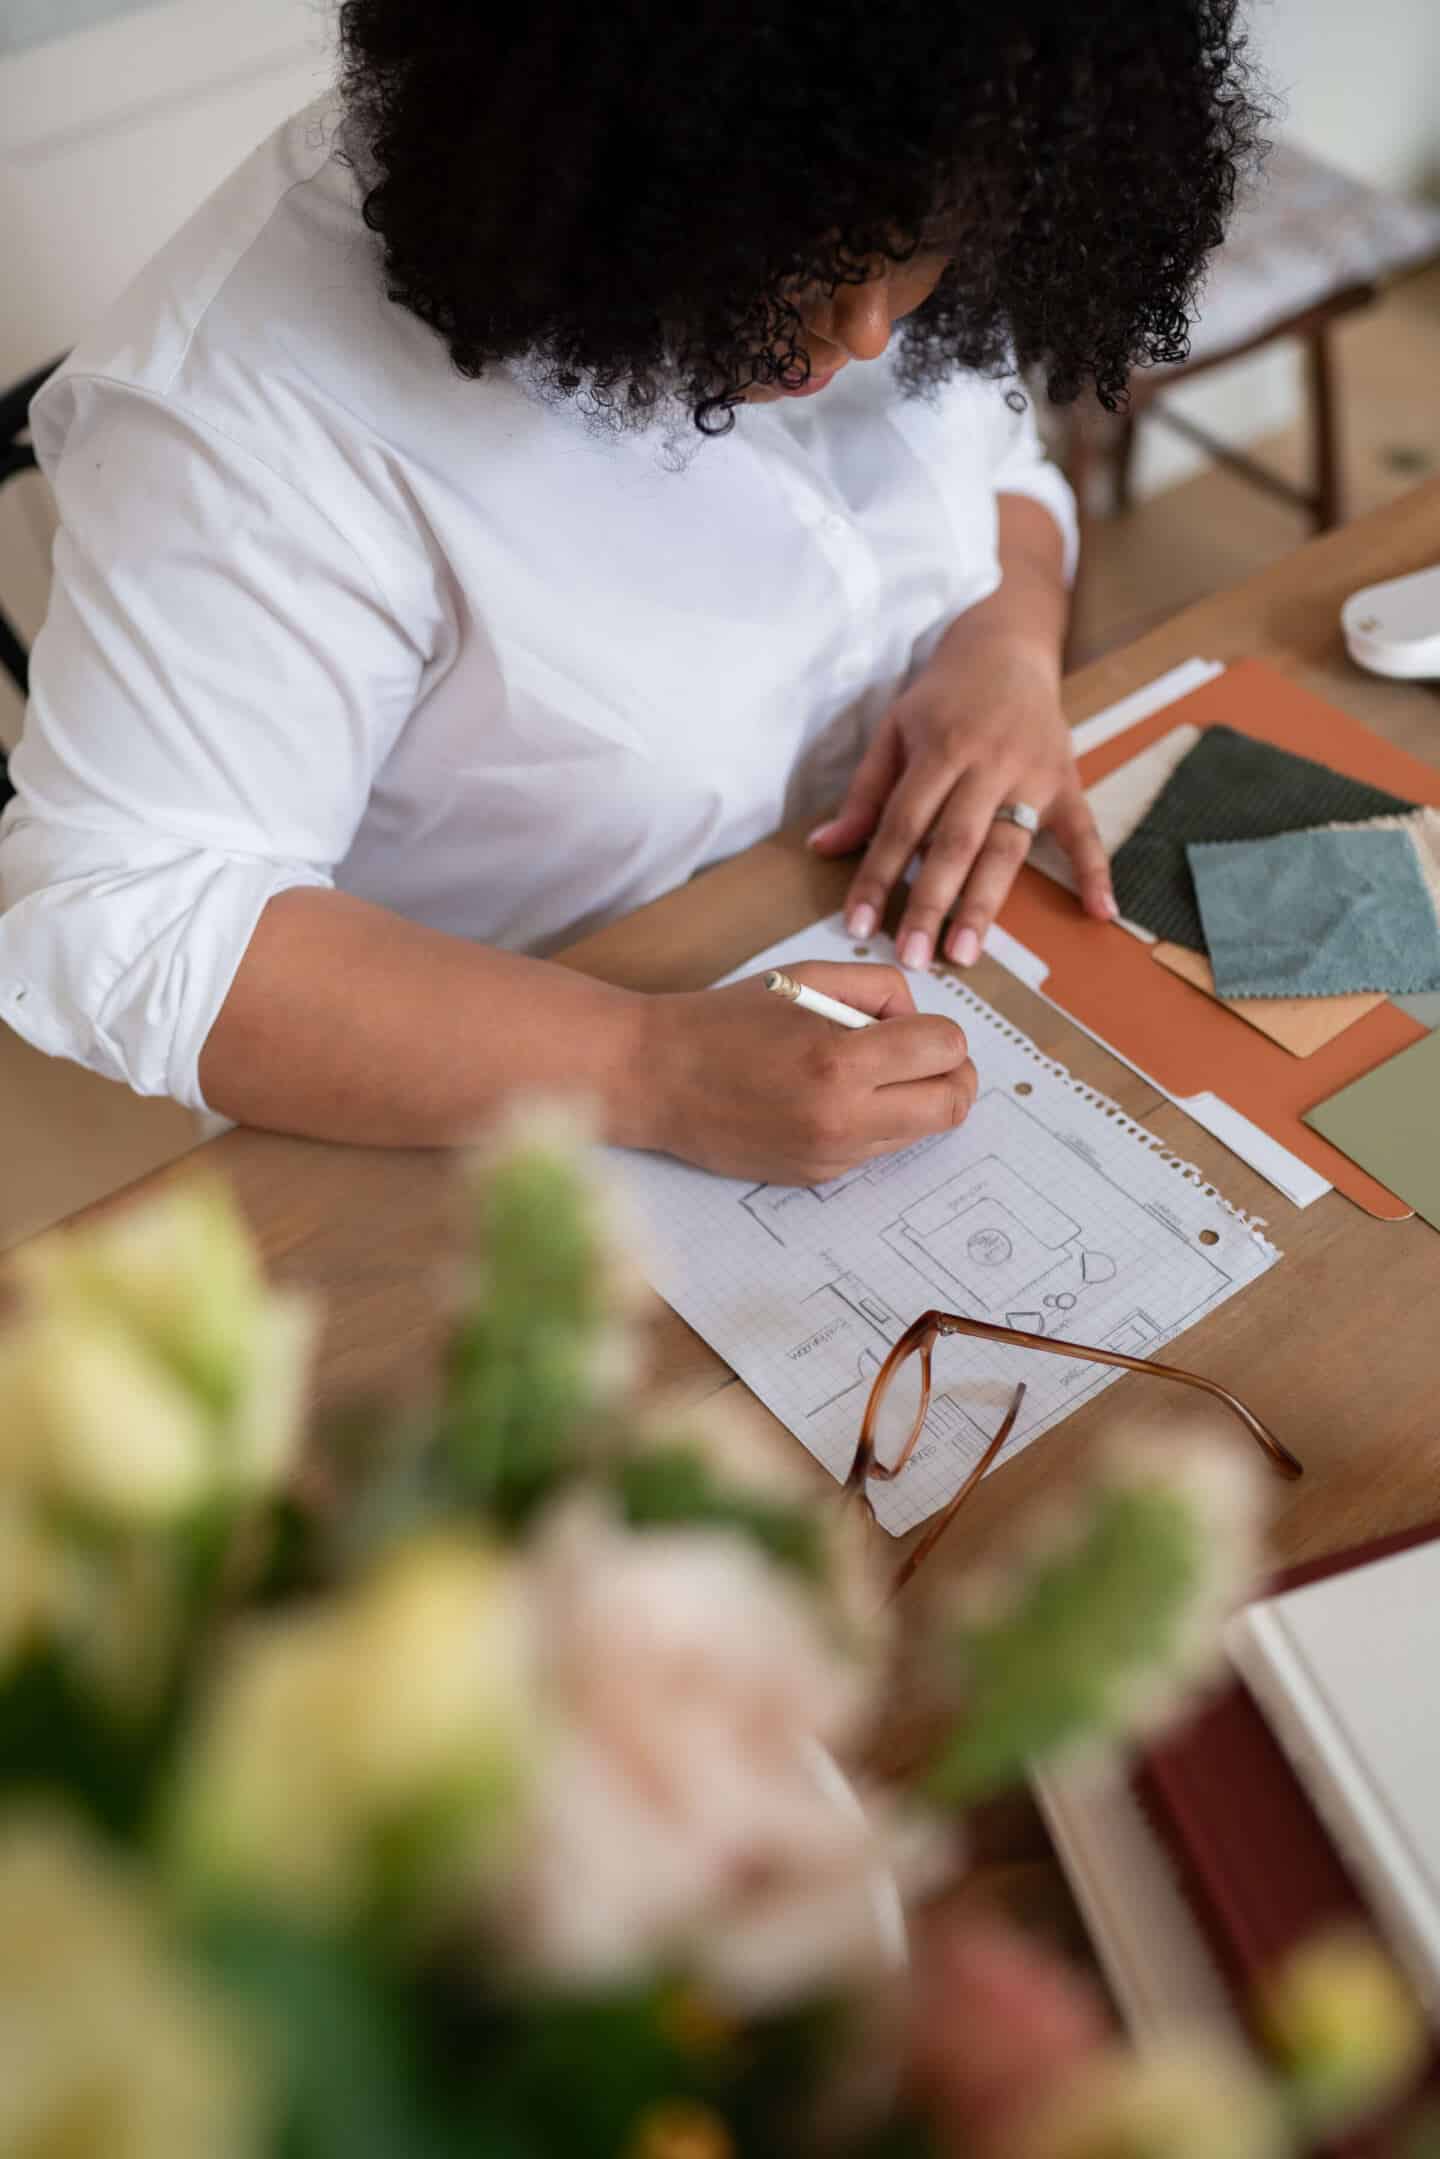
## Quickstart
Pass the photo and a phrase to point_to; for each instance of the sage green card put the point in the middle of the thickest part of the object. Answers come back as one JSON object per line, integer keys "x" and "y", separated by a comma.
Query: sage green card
{"x": 1389, "y": 1122}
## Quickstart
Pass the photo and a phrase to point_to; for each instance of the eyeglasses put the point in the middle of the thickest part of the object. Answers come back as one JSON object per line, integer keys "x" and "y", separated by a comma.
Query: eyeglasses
{"x": 900, "y": 1401}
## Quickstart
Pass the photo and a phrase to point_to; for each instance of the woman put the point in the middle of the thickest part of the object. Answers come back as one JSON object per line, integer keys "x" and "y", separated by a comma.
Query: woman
{"x": 593, "y": 445}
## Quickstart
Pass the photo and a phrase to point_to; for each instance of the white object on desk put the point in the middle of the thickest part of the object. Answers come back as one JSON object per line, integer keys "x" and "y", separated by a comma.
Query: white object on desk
{"x": 1345, "y": 1673}
{"x": 1394, "y": 628}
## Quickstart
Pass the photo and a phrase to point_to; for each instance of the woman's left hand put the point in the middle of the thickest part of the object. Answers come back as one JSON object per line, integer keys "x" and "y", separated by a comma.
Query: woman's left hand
{"x": 980, "y": 729}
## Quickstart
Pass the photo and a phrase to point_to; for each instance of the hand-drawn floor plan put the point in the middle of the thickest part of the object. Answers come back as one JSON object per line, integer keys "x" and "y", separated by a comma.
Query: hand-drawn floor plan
{"x": 1047, "y": 1211}
{"x": 987, "y": 1243}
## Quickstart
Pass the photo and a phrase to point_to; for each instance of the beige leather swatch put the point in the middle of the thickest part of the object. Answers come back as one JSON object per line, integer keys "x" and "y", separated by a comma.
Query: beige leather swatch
{"x": 1301, "y": 1025}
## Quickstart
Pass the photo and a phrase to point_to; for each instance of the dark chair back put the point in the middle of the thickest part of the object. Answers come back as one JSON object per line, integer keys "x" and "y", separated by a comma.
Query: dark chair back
{"x": 16, "y": 456}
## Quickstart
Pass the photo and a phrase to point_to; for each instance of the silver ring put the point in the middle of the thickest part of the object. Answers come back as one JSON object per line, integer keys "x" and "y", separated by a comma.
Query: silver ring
{"x": 1018, "y": 813}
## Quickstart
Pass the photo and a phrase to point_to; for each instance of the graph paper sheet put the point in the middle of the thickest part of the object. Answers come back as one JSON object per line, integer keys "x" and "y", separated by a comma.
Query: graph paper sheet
{"x": 1048, "y": 1210}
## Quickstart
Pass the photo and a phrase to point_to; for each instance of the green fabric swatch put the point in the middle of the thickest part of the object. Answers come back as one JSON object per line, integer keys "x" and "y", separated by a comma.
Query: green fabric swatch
{"x": 1229, "y": 787}
{"x": 1389, "y": 1122}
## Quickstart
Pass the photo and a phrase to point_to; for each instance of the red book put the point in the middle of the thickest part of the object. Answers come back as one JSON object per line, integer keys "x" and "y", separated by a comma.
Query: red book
{"x": 1260, "y": 1871}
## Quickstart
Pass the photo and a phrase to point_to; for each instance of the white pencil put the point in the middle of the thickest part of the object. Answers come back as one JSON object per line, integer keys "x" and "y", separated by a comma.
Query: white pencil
{"x": 829, "y": 1008}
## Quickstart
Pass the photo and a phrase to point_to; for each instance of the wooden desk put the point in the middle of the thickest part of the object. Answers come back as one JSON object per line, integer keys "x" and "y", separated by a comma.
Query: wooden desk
{"x": 1338, "y": 1347}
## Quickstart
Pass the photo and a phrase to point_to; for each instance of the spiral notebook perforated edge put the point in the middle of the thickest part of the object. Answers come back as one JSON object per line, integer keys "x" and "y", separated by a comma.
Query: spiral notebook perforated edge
{"x": 1188, "y": 1173}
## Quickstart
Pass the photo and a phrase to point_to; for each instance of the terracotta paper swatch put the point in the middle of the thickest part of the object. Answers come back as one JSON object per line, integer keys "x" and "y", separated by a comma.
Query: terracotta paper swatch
{"x": 1301, "y": 1025}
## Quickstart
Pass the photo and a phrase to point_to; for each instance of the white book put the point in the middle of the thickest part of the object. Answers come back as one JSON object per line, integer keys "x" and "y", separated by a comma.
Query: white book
{"x": 1161, "y": 1972}
{"x": 1347, "y": 1674}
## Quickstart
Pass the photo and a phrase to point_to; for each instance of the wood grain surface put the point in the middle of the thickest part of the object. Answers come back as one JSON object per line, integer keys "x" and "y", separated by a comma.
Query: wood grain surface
{"x": 1338, "y": 1347}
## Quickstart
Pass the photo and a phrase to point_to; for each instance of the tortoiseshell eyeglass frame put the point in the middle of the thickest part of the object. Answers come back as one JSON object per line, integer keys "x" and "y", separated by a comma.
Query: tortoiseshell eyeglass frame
{"x": 919, "y": 1340}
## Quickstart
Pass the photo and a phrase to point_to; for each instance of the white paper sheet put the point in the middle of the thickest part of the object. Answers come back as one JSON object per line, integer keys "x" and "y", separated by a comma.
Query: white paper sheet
{"x": 1049, "y": 1210}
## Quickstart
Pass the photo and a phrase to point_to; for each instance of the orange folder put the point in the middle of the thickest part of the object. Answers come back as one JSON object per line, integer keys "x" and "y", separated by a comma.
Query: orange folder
{"x": 1109, "y": 982}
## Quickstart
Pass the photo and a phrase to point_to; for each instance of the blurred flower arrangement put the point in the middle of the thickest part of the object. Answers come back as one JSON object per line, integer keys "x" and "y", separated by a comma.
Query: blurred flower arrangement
{"x": 479, "y": 1778}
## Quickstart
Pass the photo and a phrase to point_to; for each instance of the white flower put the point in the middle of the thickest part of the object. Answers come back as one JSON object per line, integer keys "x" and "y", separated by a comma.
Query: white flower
{"x": 107, "y": 2049}
{"x": 112, "y": 1607}
{"x": 96, "y": 1423}
{"x": 566, "y": 1126}
{"x": 399, "y": 1719}
{"x": 152, "y": 1371}
{"x": 679, "y": 1813}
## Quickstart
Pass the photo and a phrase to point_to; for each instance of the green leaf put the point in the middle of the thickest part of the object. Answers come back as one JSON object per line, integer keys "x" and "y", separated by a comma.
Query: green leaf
{"x": 519, "y": 1417}
{"x": 1421, "y": 2138}
{"x": 57, "y": 1735}
{"x": 676, "y": 1485}
{"x": 341, "y": 2043}
{"x": 523, "y": 1403}
{"x": 573, "y": 2075}
{"x": 903, "y": 2136}
{"x": 569, "y": 2076}
{"x": 1080, "y": 1631}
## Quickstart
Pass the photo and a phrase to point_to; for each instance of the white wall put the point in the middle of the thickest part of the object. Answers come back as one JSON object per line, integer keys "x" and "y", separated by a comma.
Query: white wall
{"x": 34, "y": 22}
{"x": 108, "y": 140}
{"x": 1358, "y": 82}
{"x": 1361, "y": 79}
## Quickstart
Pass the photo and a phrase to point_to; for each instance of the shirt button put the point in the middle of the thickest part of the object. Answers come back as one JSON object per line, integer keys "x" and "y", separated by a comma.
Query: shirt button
{"x": 835, "y": 523}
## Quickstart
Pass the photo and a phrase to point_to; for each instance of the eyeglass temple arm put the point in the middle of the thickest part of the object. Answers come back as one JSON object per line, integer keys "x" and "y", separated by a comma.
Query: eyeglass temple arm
{"x": 985, "y": 1330}
{"x": 935, "y": 1529}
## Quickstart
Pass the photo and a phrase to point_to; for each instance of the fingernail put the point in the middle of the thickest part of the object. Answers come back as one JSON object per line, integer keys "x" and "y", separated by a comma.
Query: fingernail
{"x": 820, "y": 832}
{"x": 966, "y": 949}
{"x": 915, "y": 951}
{"x": 1109, "y": 908}
{"x": 862, "y": 920}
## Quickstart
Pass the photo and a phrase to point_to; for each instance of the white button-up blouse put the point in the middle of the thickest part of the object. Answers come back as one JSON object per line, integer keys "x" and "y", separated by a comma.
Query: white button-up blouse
{"x": 326, "y": 614}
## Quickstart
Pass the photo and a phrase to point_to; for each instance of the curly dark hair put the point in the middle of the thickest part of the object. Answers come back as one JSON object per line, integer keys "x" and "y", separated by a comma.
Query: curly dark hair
{"x": 630, "y": 196}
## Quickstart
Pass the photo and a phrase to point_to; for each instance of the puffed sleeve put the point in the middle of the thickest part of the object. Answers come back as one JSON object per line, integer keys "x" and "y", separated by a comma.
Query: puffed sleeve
{"x": 220, "y": 677}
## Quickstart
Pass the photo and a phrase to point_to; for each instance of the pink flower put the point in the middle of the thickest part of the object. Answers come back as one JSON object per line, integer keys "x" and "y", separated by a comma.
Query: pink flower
{"x": 999, "y": 2024}
{"x": 686, "y": 1813}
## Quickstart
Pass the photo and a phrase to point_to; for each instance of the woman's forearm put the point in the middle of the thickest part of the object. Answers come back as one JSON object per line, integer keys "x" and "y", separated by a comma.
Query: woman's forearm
{"x": 347, "y": 1022}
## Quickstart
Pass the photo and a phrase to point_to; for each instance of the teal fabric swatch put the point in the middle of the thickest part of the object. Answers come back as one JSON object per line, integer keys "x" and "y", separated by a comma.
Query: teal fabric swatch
{"x": 1229, "y": 787}
{"x": 1316, "y": 914}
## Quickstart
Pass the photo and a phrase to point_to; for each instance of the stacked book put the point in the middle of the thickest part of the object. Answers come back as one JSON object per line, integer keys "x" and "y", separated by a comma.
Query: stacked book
{"x": 1304, "y": 1796}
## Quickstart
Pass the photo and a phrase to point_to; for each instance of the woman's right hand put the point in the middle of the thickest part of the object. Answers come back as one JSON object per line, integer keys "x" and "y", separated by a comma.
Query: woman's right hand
{"x": 745, "y": 1084}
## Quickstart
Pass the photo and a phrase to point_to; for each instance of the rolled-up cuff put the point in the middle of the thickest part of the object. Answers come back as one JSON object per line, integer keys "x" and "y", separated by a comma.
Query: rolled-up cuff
{"x": 123, "y": 963}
